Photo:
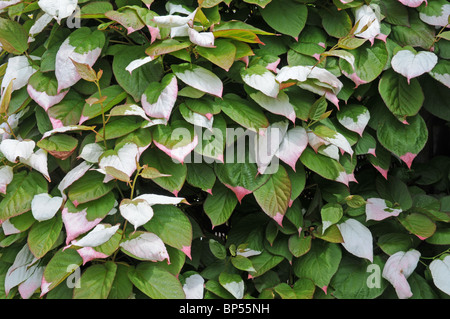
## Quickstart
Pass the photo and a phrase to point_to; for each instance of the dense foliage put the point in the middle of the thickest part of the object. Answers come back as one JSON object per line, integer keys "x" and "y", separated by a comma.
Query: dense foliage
{"x": 224, "y": 149}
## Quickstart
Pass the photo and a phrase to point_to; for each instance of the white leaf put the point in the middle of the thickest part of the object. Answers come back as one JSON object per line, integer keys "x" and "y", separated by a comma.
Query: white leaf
{"x": 32, "y": 283}
{"x": 77, "y": 223}
{"x": 124, "y": 161}
{"x": 7, "y": 3}
{"x": 12, "y": 149}
{"x": 73, "y": 175}
{"x": 179, "y": 153}
{"x": 91, "y": 152}
{"x": 40, "y": 24}
{"x": 9, "y": 228}
{"x": 377, "y": 209}
{"x": 138, "y": 63}
{"x": 65, "y": 70}
{"x": 411, "y": 65}
{"x": 357, "y": 238}
{"x": 267, "y": 145}
{"x": 299, "y": 73}
{"x": 412, "y": 3}
{"x": 365, "y": 16}
{"x": 261, "y": 79}
{"x": 201, "y": 79}
{"x": 440, "y": 20}
{"x": 38, "y": 161}
{"x": 147, "y": 246}
{"x": 43, "y": 99}
{"x": 440, "y": 271}
{"x": 21, "y": 269}
{"x": 357, "y": 124}
{"x": 18, "y": 70}
{"x": 45, "y": 207}
{"x": 59, "y": 9}
{"x": 203, "y": 39}
{"x": 293, "y": 145}
{"x": 154, "y": 199}
{"x": 279, "y": 105}
{"x": 98, "y": 236}
{"x": 194, "y": 286}
{"x": 137, "y": 212}
{"x": 170, "y": 21}
{"x": 6, "y": 177}
{"x": 398, "y": 268}
{"x": 162, "y": 108}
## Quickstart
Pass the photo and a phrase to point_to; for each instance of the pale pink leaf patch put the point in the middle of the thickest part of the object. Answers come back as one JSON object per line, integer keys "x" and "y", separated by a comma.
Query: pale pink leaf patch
{"x": 293, "y": 145}
{"x": 378, "y": 209}
{"x": 6, "y": 177}
{"x": 163, "y": 106}
{"x": 412, "y": 3}
{"x": 138, "y": 212}
{"x": 77, "y": 223}
{"x": 179, "y": 153}
{"x": 12, "y": 149}
{"x": 440, "y": 272}
{"x": 398, "y": 268}
{"x": 357, "y": 238}
{"x": 45, "y": 207}
{"x": 146, "y": 246}
{"x": 97, "y": 236}
{"x": 194, "y": 286}
{"x": 89, "y": 253}
{"x": 202, "y": 39}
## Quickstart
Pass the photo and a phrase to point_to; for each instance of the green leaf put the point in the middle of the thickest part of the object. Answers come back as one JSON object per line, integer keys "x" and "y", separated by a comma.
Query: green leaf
{"x": 68, "y": 111}
{"x": 440, "y": 237}
{"x": 156, "y": 282}
{"x": 405, "y": 141}
{"x": 274, "y": 196}
{"x": 370, "y": 61}
{"x": 418, "y": 224}
{"x": 353, "y": 279}
{"x": 165, "y": 46}
{"x": 96, "y": 282}
{"x": 331, "y": 214}
{"x": 300, "y": 244}
{"x": 13, "y": 37}
{"x": 391, "y": 243}
{"x": 264, "y": 262}
{"x": 286, "y": 16}
{"x": 323, "y": 165}
{"x": 233, "y": 283}
{"x": 114, "y": 95}
{"x": 416, "y": 34}
{"x": 337, "y": 23}
{"x": 119, "y": 127}
{"x": 62, "y": 264}
{"x": 121, "y": 287}
{"x": 220, "y": 204}
{"x": 43, "y": 235}
{"x": 201, "y": 175}
{"x": 401, "y": 98}
{"x": 223, "y": 55}
{"x": 88, "y": 188}
{"x": 244, "y": 112}
{"x": 217, "y": 249}
{"x": 20, "y": 193}
{"x": 60, "y": 145}
{"x": 156, "y": 158}
{"x": 171, "y": 225}
{"x": 319, "y": 264}
{"x": 261, "y": 3}
{"x": 136, "y": 82}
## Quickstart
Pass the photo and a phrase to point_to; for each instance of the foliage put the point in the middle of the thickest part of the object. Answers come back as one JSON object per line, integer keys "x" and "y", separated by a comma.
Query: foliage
{"x": 130, "y": 159}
